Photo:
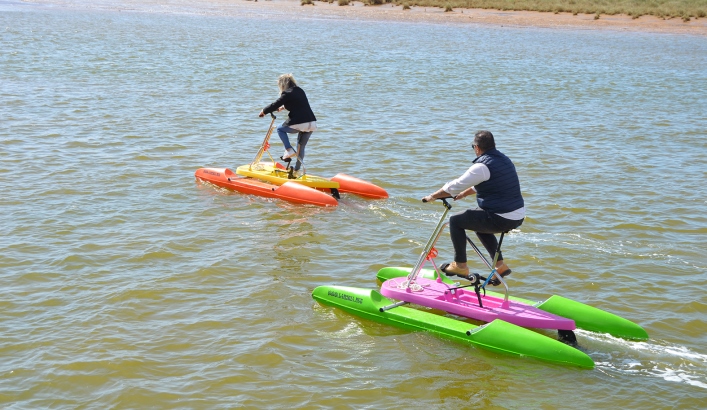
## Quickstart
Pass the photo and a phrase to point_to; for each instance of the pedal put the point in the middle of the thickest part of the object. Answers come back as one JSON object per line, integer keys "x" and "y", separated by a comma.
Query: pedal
{"x": 474, "y": 278}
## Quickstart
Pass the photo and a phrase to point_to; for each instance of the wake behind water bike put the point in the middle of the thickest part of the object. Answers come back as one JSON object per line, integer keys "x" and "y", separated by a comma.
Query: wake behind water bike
{"x": 430, "y": 288}
{"x": 433, "y": 288}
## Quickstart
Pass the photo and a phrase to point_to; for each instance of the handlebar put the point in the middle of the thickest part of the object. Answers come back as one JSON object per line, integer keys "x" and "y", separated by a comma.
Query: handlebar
{"x": 444, "y": 200}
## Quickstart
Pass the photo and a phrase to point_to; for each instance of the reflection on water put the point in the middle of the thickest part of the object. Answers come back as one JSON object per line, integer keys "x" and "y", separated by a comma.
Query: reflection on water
{"x": 295, "y": 244}
{"x": 128, "y": 284}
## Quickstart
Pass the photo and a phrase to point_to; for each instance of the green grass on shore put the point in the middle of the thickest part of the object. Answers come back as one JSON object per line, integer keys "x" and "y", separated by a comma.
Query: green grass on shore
{"x": 685, "y": 9}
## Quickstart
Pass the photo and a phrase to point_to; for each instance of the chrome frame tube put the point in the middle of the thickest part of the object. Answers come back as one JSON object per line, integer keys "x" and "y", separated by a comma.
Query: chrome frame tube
{"x": 492, "y": 267}
{"x": 430, "y": 244}
{"x": 259, "y": 155}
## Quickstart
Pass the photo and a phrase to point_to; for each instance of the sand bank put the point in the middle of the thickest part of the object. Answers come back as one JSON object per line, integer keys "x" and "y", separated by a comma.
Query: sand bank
{"x": 359, "y": 11}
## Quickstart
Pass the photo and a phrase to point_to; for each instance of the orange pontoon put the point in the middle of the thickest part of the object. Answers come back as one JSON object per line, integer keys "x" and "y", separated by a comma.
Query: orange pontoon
{"x": 289, "y": 191}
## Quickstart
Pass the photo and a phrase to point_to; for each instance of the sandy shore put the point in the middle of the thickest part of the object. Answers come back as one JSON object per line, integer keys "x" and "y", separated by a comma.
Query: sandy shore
{"x": 359, "y": 11}
{"x": 496, "y": 17}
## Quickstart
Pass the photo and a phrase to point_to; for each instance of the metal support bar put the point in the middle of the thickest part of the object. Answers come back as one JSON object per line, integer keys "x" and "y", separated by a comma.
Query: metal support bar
{"x": 430, "y": 243}
{"x": 492, "y": 267}
{"x": 259, "y": 155}
{"x": 394, "y": 305}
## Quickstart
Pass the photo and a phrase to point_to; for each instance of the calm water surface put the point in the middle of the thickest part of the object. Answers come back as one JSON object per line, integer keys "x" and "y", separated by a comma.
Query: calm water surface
{"x": 127, "y": 284}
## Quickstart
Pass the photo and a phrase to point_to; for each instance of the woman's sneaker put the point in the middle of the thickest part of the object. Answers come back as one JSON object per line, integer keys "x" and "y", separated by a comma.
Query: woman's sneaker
{"x": 289, "y": 153}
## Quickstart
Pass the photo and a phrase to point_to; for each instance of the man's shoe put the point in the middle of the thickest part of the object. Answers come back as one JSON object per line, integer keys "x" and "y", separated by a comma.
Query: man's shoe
{"x": 495, "y": 282}
{"x": 453, "y": 269}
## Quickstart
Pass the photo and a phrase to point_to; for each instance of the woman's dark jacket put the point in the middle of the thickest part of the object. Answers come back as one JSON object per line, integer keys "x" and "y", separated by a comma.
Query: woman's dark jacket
{"x": 295, "y": 101}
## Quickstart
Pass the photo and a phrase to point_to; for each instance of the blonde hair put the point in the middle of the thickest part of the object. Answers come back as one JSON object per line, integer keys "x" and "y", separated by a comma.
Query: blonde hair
{"x": 286, "y": 81}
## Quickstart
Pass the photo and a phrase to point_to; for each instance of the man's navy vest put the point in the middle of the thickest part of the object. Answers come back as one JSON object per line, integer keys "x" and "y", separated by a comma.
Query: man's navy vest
{"x": 501, "y": 192}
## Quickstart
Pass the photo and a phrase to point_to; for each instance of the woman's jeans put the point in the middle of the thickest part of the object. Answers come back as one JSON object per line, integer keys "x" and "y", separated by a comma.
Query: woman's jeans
{"x": 302, "y": 139}
{"x": 485, "y": 224}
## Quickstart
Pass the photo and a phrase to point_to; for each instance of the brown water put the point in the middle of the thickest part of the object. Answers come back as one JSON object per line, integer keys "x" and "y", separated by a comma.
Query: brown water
{"x": 127, "y": 284}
